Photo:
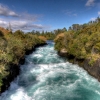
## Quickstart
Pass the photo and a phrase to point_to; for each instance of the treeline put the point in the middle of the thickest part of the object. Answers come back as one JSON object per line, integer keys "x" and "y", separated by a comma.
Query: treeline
{"x": 76, "y": 27}
{"x": 49, "y": 35}
{"x": 81, "y": 41}
{"x": 12, "y": 48}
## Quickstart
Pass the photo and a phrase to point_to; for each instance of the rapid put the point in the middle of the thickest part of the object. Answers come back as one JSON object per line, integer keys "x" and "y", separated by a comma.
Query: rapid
{"x": 47, "y": 76}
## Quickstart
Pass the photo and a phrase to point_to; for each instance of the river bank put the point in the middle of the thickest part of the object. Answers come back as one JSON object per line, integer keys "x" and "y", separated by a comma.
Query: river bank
{"x": 15, "y": 68}
{"x": 13, "y": 47}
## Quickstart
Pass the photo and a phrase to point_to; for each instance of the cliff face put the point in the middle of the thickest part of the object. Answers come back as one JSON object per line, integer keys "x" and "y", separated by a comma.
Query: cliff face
{"x": 93, "y": 70}
{"x": 14, "y": 70}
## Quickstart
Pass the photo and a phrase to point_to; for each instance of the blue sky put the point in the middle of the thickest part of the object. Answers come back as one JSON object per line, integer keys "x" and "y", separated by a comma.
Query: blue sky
{"x": 28, "y": 15}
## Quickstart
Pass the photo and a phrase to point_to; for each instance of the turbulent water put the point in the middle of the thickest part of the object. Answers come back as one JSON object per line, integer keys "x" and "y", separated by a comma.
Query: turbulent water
{"x": 46, "y": 76}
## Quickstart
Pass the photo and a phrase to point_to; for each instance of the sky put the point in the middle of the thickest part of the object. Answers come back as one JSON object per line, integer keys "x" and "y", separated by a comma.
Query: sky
{"x": 47, "y": 15}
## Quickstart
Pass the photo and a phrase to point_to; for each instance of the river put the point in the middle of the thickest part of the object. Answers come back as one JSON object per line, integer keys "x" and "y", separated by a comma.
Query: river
{"x": 46, "y": 76}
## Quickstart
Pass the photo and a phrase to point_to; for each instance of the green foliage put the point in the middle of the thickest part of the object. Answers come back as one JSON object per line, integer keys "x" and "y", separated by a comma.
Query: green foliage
{"x": 49, "y": 35}
{"x": 60, "y": 42}
{"x": 13, "y": 47}
{"x": 81, "y": 41}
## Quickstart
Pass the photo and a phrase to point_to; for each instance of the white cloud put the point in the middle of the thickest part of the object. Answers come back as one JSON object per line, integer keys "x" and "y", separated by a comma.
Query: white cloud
{"x": 18, "y": 24}
{"x": 21, "y": 25}
{"x": 90, "y": 3}
{"x": 93, "y": 19}
{"x": 5, "y": 11}
{"x": 25, "y": 25}
{"x": 3, "y": 23}
{"x": 21, "y": 21}
{"x": 99, "y": 13}
{"x": 70, "y": 13}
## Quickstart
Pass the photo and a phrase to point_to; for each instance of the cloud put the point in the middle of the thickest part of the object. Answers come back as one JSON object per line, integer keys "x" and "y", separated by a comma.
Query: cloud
{"x": 25, "y": 25}
{"x": 29, "y": 17}
{"x": 90, "y": 3}
{"x": 5, "y": 11}
{"x": 99, "y": 13}
{"x": 18, "y": 24}
{"x": 70, "y": 13}
{"x": 20, "y": 21}
{"x": 22, "y": 25}
{"x": 93, "y": 19}
{"x": 2, "y": 22}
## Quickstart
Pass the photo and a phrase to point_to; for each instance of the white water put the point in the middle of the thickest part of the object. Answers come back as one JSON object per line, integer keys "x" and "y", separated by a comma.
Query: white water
{"x": 46, "y": 76}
